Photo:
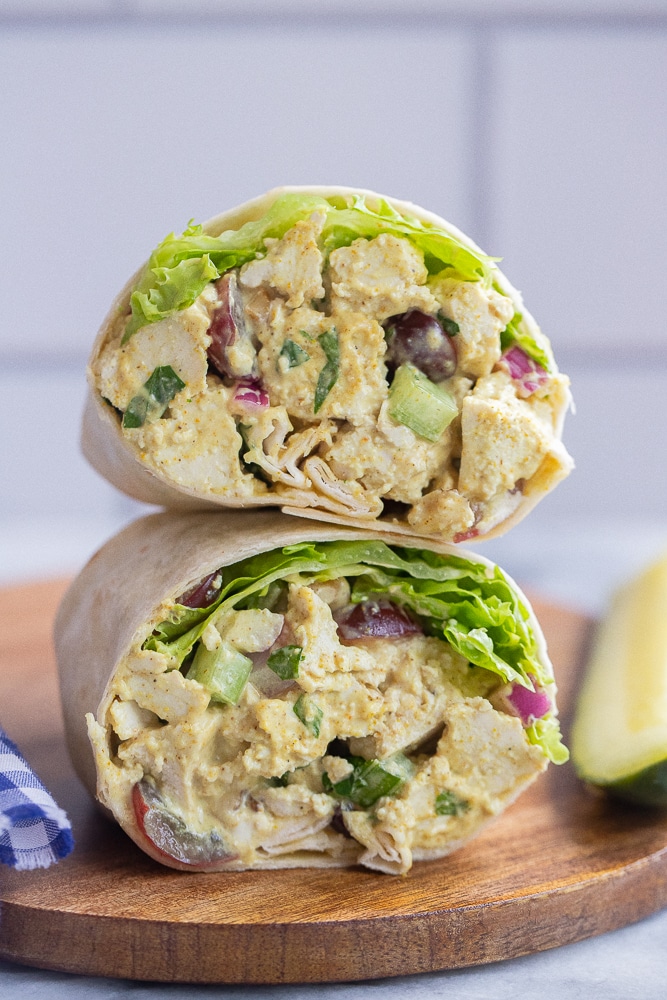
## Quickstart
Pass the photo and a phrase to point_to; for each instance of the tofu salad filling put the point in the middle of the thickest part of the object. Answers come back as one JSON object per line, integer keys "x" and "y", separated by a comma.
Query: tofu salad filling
{"x": 327, "y": 703}
{"x": 339, "y": 358}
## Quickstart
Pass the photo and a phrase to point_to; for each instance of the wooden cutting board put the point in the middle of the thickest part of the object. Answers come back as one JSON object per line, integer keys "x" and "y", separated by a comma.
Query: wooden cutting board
{"x": 561, "y": 864}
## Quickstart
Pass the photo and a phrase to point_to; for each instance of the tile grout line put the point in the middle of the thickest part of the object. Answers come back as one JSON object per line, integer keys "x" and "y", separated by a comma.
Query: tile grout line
{"x": 125, "y": 13}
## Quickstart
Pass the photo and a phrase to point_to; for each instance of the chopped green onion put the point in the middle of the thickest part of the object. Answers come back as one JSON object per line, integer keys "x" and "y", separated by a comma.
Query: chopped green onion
{"x": 343, "y": 788}
{"x": 285, "y": 662}
{"x": 281, "y": 781}
{"x": 448, "y": 325}
{"x": 223, "y": 671}
{"x": 329, "y": 374}
{"x": 293, "y": 354}
{"x": 309, "y": 713}
{"x": 415, "y": 401}
{"x": 370, "y": 780}
{"x": 136, "y": 412}
{"x": 154, "y": 397}
{"x": 163, "y": 385}
{"x": 450, "y": 804}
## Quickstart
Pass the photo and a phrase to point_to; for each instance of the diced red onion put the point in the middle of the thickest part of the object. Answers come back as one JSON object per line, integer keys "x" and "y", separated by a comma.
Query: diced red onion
{"x": 524, "y": 370}
{"x": 251, "y": 395}
{"x": 528, "y": 705}
{"x": 381, "y": 619}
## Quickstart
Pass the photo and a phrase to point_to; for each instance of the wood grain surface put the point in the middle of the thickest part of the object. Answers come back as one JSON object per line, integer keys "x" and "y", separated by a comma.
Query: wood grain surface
{"x": 561, "y": 864}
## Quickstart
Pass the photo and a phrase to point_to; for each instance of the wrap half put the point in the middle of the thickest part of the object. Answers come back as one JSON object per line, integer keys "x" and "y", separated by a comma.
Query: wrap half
{"x": 339, "y": 354}
{"x": 269, "y": 692}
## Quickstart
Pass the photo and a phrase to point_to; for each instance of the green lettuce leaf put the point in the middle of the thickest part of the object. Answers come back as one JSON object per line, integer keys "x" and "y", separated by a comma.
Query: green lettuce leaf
{"x": 163, "y": 291}
{"x": 181, "y": 266}
{"x": 470, "y": 605}
{"x": 546, "y": 734}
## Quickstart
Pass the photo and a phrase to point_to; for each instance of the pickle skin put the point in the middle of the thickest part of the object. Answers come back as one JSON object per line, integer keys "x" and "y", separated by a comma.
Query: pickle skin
{"x": 645, "y": 788}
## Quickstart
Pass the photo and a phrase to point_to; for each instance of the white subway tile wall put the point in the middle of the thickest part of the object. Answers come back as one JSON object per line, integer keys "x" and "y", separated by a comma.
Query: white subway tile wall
{"x": 544, "y": 139}
{"x": 42, "y": 468}
{"x": 578, "y": 209}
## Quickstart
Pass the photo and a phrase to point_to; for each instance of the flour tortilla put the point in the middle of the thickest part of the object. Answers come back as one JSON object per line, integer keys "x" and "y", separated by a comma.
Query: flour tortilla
{"x": 115, "y": 601}
{"x": 119, "y": 459}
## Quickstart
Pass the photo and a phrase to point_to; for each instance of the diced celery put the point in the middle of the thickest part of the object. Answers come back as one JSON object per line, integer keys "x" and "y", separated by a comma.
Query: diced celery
{"x": 424, "y": 407}
{"x": 223, "y": 671}
{"x": 309, "y": 714}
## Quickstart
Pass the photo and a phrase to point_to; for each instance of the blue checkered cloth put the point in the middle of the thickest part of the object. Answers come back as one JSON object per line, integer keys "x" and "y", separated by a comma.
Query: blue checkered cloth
{"x": 34, "y": 832}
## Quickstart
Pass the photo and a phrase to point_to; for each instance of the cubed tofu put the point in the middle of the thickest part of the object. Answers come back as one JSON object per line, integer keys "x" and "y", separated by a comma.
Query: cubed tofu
{"x": 358, "y": 381}
{"x": 130, "y": 720}
{"x": 503, "y": 439}
{"x": 489, "y": 752}
{"x": 324, "y": 661}
{"x": 198, "y": 445}
{"x": 180, "y": 341}
{"x": 292, "y": 266}
{"x": 388, "y": 459}
{"x": 442, "y": 512}
{"x": 416, "y": 691}
{"x": 379, "y": 278}
{"x": 481, "y": 314}
{"x": 169, "y": 696}
{"x": 250, "y": 631}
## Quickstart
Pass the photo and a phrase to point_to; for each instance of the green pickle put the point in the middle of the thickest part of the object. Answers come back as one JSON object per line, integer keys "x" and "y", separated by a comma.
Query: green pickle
{"x": 619, "y": 736}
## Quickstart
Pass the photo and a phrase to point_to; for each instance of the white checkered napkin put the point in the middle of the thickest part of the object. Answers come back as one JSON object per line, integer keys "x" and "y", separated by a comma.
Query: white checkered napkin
{"x": 34, "y": 832}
